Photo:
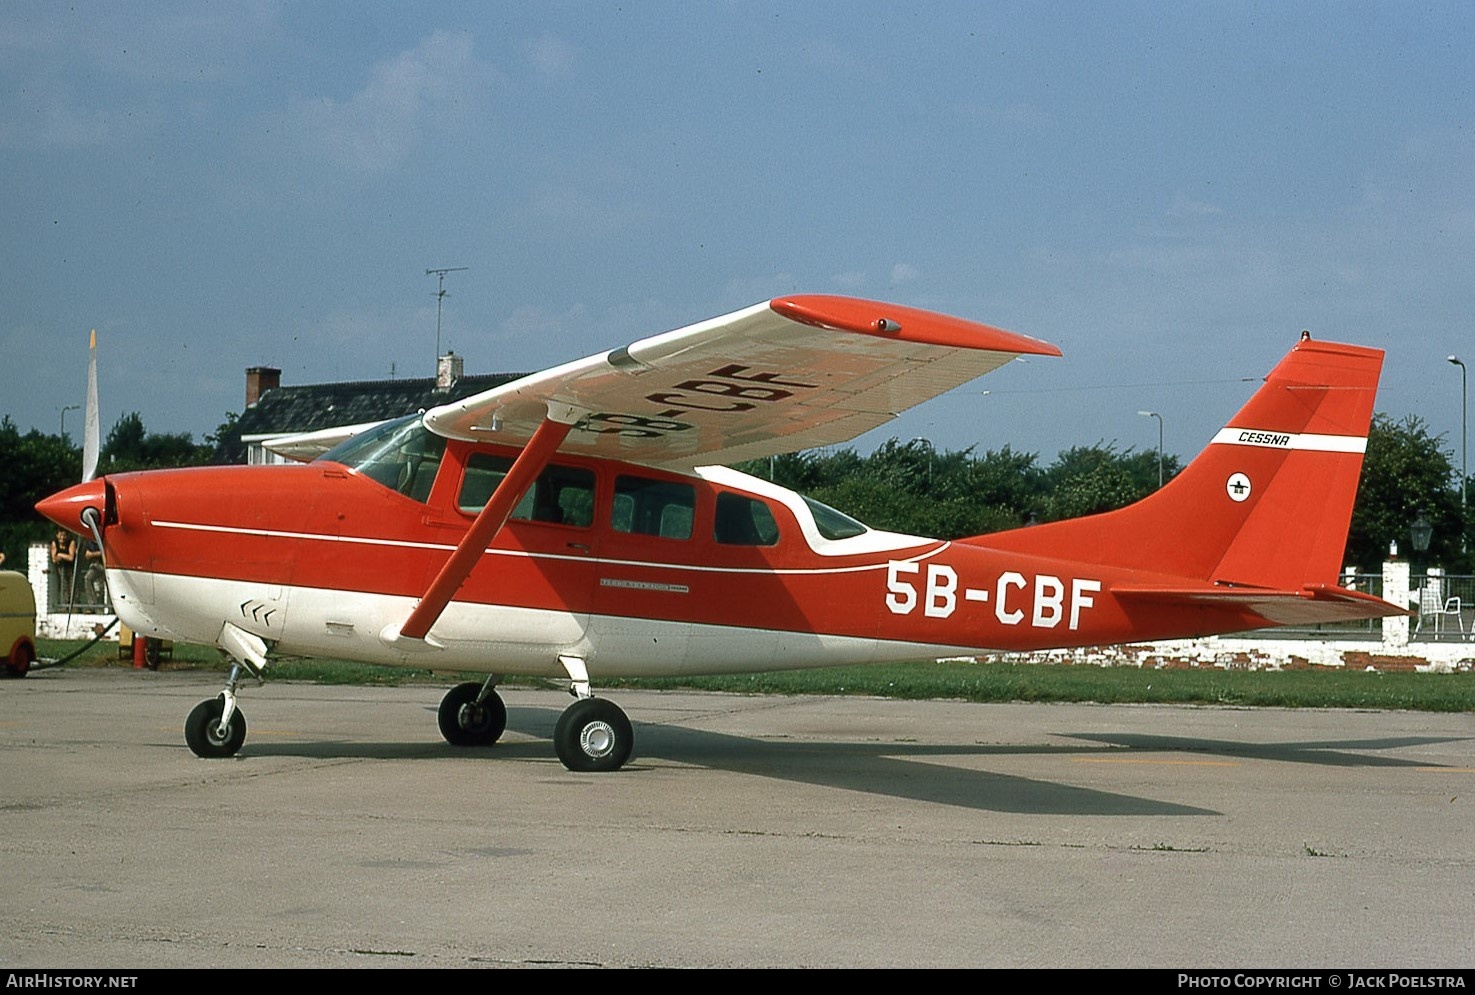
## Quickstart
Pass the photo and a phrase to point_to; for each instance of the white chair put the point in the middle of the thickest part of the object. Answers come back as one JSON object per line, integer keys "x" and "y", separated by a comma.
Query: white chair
{"x": 1430, "y": 606}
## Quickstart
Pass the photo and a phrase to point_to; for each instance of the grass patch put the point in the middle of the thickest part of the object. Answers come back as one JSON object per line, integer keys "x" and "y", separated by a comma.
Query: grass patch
{"x": 981, "y": 682}
{"x": 186, "y": 656}
{"x": 999, "y": 682}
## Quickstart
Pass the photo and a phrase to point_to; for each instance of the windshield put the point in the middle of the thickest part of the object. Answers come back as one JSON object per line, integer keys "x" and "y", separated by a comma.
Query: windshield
{"x": 403, "y": 455}
{"x": 834, "y": 524}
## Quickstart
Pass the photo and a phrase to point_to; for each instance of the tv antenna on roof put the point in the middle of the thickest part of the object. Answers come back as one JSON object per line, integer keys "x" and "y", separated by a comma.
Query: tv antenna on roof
{"x": 440, "y": 295}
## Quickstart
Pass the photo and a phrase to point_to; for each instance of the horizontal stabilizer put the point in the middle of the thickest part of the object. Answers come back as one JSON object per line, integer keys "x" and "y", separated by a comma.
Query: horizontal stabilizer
{"x": 1308, "y": 606}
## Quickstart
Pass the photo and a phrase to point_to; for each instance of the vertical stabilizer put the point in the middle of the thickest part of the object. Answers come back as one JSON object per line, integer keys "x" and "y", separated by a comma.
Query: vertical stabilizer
{"x": 1266, "y": 504}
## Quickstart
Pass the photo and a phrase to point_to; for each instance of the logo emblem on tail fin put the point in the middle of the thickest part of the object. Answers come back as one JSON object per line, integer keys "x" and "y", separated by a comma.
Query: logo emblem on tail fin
{"x": 1237, "y": 487}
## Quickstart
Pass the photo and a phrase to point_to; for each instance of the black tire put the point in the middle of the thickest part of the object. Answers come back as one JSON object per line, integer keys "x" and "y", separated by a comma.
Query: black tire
{"x": 19, "y": 664}
{"x": 464, "y": 723}
{"x": 203, "y": 734}
{"x": 593, "y": 735}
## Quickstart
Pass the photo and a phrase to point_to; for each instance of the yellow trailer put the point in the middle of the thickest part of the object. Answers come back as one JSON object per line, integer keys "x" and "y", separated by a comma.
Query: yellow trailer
{"x": 17, "y": 623}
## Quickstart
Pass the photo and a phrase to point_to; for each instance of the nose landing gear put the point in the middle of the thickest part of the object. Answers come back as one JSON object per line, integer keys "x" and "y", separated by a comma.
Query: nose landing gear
{"x": 210, "y": 733}
{"x": 215, "y": 727}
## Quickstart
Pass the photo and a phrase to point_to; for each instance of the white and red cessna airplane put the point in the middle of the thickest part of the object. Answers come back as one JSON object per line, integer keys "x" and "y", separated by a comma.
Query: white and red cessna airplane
{"x": 573, "y": 524}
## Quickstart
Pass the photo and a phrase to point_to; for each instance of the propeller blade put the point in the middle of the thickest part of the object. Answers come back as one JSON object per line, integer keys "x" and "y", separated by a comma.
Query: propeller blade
{"x": 90, "y": 430}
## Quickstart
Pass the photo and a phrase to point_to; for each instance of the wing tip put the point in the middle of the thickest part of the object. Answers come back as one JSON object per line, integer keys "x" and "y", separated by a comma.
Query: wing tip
{"x": 908, "y": 324}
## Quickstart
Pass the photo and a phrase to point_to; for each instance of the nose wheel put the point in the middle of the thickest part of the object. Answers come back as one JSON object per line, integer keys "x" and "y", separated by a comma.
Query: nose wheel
{"x": 210, "y": 733}
{"x": 593, "y": 735}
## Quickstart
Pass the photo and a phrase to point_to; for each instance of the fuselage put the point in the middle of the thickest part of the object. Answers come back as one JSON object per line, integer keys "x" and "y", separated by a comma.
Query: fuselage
{"x": 635, "y": 571}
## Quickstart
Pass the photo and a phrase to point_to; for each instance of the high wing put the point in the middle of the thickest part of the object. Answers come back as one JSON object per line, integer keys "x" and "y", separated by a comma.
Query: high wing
{"x": 788, "y": 374}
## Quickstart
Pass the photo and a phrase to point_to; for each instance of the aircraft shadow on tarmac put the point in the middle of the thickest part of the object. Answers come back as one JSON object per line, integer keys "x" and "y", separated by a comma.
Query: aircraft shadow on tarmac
{"x": 895, "y": 769}
{"x": 1328, "y": 752}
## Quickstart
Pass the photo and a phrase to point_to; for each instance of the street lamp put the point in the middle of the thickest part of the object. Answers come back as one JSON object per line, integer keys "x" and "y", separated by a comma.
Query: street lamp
{"x": 1154, "y": 414}
{"x": 1464, "y": 426}
{"x": 930, "y": 453}
{"x": 1420, "y": 531}
{"x": 77, "y": 407}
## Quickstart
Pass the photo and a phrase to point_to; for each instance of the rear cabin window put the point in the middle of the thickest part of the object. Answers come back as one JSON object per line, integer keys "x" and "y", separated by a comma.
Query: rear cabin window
{"x": 744, "y": 521}
{"x": 653, "y": 507}
{"x": 562, "y": 495}
{"x": 834, "y": 524}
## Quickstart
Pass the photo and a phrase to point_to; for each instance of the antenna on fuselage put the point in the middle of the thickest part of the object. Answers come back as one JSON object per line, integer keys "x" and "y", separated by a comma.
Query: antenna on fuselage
{"x": 440, "y": 295}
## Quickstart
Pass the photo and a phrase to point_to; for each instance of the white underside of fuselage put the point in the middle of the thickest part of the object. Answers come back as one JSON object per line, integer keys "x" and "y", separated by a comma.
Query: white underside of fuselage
{"x": 497, "y": 639}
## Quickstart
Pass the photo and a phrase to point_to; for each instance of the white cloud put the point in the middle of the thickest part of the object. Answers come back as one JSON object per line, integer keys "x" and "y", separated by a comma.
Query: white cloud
{"x": 904, "y": 273}
{"x": 572, "y": 208}
{"x": 741, "y": 292}
{"x": 106, "y": 75}
{"x": 1186, "y": 207}
{"x": 189, "y": 43}
{"x": 551, "y": 57}
{"x": 540, "y": 324}
{"x": 407, "y": 100}
{"x": 44, "y": 115}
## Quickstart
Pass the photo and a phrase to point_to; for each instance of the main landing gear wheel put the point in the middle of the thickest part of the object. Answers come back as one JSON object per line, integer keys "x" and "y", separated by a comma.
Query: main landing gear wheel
{"x": 464, "y": 722}
{"x": 593, "y": 735}
{"x": 203, "y": 733}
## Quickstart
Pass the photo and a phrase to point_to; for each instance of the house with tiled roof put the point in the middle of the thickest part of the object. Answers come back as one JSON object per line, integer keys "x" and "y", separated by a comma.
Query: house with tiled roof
{"x": 274, "y": 411}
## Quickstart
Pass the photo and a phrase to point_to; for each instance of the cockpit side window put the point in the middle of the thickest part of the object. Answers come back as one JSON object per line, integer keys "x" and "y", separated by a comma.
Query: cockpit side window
{"x": 402, "y": 455}
{"x": 562, "y": 495}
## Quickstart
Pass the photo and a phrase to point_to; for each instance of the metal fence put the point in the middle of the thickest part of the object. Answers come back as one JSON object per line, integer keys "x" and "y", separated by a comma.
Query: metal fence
{"x": 84, "y": 593}
{"x": 1445, "y": 606}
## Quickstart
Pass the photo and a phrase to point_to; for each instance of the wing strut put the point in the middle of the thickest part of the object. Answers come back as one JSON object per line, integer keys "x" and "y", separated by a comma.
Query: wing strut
{"x": 525, "y": 469}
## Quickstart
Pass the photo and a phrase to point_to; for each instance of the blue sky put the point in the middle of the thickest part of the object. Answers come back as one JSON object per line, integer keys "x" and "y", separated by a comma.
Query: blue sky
{"x": 1168, "y": 191}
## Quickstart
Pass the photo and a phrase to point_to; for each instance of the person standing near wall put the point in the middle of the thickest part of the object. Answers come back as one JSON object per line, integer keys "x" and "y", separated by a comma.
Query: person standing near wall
{"x": 63, "y": 562}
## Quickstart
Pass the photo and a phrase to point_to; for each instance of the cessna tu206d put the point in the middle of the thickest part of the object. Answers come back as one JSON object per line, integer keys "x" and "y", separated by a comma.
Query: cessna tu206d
{"x": 574, "y": 524}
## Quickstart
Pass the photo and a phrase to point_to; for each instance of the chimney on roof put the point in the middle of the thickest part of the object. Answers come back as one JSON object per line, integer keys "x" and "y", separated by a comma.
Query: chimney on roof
{"x": 448, "y": 369}
{"x": 259, "y": 380}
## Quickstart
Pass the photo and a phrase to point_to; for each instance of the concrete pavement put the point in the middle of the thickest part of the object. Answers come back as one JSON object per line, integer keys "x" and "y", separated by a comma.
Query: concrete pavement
{"x": 747, "y": 831}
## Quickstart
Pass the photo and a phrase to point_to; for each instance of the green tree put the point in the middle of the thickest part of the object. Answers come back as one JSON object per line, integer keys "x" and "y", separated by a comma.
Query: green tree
{"x": 226, "y": 442}
{"x": 1085, "y": 480}
{"x": 36, "y": 465}
{"x": 1003, "y": 478}
{"x": 1405, "y": 472}
{"x": 130, "y": 446}
{"x": 913, "y": 487}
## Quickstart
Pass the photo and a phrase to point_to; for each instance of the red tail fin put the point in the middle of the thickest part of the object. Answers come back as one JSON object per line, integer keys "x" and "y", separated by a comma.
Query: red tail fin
{"x": 1267, "y": 504}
